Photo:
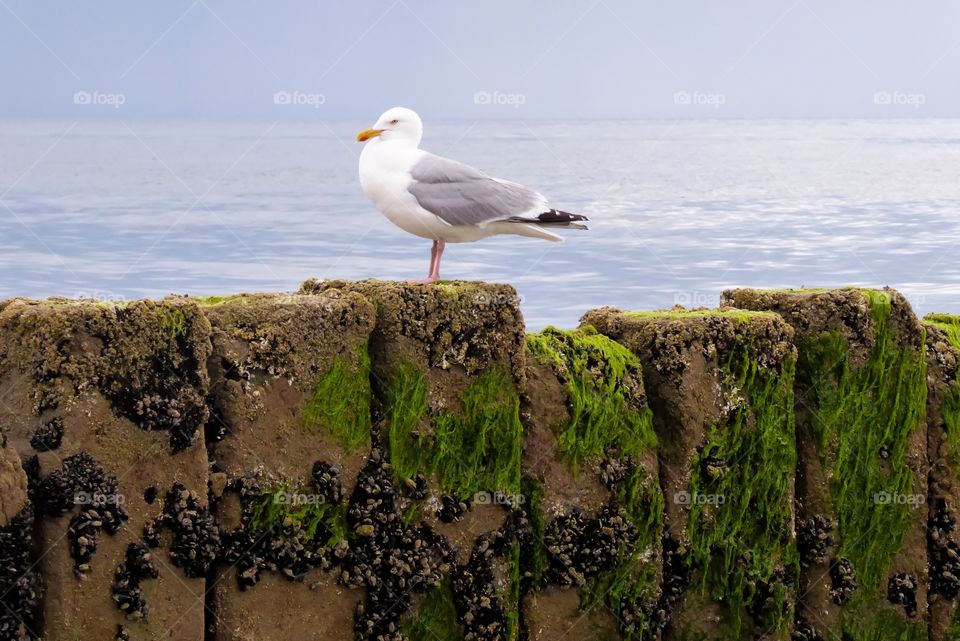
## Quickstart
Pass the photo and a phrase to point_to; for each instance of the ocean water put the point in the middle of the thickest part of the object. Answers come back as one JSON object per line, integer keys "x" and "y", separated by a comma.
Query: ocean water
{"x": 679, "y": 210}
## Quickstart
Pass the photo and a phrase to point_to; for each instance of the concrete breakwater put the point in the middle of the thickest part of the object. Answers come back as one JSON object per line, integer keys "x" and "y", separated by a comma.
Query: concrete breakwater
{"x": 384, "y": 461}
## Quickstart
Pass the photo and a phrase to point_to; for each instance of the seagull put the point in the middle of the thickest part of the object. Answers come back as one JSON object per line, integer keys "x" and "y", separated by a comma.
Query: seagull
{"x": 444, "y": 200}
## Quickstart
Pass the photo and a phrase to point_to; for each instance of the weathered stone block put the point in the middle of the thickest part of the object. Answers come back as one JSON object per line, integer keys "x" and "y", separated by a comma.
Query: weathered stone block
{"x": 447, "y": 364}
{"x": 594, "y": 558}
{"x": 720, "y": 383}
{"x": 106, "y": 404}
{"x": 862, "y": 460}
{"x": 290, "y": 432}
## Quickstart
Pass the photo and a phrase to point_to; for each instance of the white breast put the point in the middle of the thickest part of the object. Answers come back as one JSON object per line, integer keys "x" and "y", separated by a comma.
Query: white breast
{"x": 385, "y": 176}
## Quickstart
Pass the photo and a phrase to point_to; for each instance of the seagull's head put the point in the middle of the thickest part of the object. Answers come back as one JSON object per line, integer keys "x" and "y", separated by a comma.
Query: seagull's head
{"x": 399, "y": 125}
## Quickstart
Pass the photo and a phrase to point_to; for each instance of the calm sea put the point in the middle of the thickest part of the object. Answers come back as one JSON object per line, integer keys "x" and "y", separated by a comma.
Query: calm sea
{"x": 680, "y": 210}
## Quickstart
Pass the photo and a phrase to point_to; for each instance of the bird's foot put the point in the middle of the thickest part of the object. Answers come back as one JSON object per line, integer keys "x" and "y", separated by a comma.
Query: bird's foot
{"x": 430, "y": 280}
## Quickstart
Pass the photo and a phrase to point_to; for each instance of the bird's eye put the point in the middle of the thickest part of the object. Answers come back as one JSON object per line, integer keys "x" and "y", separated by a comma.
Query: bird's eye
{"x": 394, "y": 121}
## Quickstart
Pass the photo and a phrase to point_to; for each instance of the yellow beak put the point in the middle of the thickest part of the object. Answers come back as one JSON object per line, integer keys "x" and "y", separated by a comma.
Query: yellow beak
{"x": 367, "y": 134}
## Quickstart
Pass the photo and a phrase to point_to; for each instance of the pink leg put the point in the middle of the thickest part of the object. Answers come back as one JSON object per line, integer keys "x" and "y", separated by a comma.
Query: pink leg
{"x": 435, "y": 264}
{"x": 436, "y": 251}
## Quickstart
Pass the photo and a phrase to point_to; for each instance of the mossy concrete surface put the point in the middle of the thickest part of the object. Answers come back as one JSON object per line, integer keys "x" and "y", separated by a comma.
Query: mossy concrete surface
{"x": 290, "y": 389}
{"x": 862, "y": 471}
{"x": 589, "y": 454}
{"x": 378, "y": 460}
{"x": 943, "y": 448}
{"x": 720, "y": 383}
{"x": 119, "y": 390}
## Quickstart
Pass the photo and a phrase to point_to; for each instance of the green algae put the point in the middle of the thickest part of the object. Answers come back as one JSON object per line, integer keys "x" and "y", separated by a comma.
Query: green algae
{"x": 741, "y": 539}
{"x": 535, "y": 561}
{"x": 173, "y": 321}
{"x": 950, "y": 325}
{"x": 478, "y": 448}
{"x": 608, "y": 412}
{"x": 435, "y": 619}
{"x": 407, "y": 405}
{"x": 859, "y": 411}
{"x": 878, "y": 624}
{"x": 953, "y": 630}
{"x": 512, "y": 607}
{"x": 341, "y": 401}
{"x": 282, "y": 506}
{"x": 599, "y": 374}
{"x": 213, "y": 301}
{"x": 738, "y": 315}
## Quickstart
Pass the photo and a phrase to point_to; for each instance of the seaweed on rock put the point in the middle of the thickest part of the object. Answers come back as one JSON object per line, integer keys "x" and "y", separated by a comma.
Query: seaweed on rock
{"x": 435, "y": 619}
{"x": 469, "y": 451}
{"x": 861, "y": 377}
{"x": 745, "y": 546}
{"x": 341, "y": 401}
{"x": 724, "y": 397}
{"x": 862, "y": 409}
{"x": 607, "y": 556}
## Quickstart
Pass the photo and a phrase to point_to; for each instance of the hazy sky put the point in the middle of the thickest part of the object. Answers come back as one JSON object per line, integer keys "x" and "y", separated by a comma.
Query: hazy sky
{"x": 228, "y": 59}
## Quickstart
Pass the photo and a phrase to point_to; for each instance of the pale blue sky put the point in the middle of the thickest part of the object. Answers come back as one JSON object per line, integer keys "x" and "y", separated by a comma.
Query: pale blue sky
{"x": 225, "y": 59}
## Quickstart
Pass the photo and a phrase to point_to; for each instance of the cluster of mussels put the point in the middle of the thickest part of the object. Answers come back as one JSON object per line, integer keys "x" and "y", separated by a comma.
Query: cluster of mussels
{"x": 194, "y": 546}
{"x": 902, "y": 590}
{"x": 81, "y": 481}
{"x": 676, "y": 578}
{"x": 196, "y": 536}
{"x": 479, "y": 605}
{"x": 580, "y": 547}
{"x": 803, "y": 631}
{"x": 157, "y": 391}
{"x": 388, "y": 557}
{"x": 615, "y": 468}
{"x": 943, "y": 551}
{"x": 127, "y": 593}
{"x": 285, "y": 544}
{"x": 19, "y": 585}
{"x": 768, "y": 600}
{"x": 48, "y": 436}
{"x": 814, "y": 539}
{"x": 843, "y": 580}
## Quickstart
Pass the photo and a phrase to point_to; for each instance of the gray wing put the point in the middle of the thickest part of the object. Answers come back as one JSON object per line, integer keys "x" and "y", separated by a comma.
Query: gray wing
{"x": 462, "y": 195}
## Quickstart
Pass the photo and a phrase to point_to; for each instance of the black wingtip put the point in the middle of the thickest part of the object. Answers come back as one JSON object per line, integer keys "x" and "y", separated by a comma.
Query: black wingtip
{"x": 553, "y": 218}
{"x": 557, "y": 217}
